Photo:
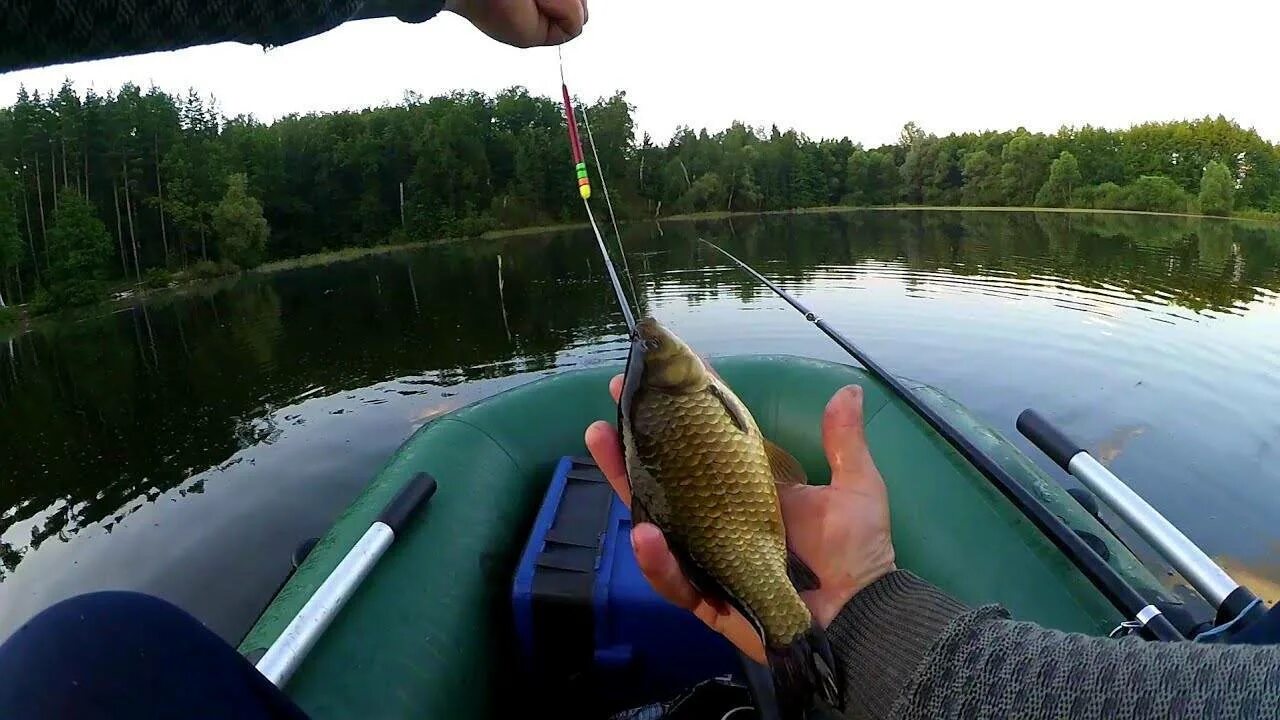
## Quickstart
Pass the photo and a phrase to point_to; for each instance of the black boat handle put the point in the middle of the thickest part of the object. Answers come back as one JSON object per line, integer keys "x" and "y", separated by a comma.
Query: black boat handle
{"x": 1060, "y": 448}
{"x": 416, "y": 492}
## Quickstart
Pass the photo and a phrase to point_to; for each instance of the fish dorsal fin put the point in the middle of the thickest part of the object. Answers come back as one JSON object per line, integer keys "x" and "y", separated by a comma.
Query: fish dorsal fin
{"x": 784, "y": 466}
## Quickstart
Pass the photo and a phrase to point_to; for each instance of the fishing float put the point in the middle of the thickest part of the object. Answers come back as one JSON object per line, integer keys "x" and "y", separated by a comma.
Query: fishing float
{"x": 584, "y": 189}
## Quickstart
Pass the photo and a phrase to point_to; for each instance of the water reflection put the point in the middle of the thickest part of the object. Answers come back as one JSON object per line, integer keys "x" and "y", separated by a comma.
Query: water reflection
{"x": 175, "y": 444}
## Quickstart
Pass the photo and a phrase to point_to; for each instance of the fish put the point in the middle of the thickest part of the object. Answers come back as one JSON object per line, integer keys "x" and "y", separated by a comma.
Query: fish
{"x": 700, "y": 469}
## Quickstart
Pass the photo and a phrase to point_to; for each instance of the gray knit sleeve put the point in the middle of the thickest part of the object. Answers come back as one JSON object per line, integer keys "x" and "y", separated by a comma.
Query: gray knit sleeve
{"x": 47, "y": 32}
{"x": 909, "y": 651}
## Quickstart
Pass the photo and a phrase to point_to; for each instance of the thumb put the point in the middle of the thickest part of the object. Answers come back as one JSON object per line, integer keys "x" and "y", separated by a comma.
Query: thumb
{"x": 845, "y": 442}
{"x": 567, "y": 16}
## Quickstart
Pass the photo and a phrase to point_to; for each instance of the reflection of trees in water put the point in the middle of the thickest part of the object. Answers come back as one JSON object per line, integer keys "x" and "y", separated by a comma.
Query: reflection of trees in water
{"x": 101, "y": 416}
{"x": 97, "y": 417}
{"x": 1198, "y": 263}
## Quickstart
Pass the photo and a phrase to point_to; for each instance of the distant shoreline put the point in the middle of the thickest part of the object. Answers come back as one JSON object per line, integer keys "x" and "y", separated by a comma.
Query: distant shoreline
{"x": 720, "y": 215}
{"x": 24, "y": 321}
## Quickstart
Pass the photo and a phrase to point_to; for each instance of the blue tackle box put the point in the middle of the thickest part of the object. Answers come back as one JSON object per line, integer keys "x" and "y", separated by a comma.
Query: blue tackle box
{"x": 589, "y": 624}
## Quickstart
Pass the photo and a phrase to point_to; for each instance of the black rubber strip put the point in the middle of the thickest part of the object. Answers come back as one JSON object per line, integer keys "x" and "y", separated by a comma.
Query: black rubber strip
{"x": 1052, "y": 441}
{"x": 416, "y": 492}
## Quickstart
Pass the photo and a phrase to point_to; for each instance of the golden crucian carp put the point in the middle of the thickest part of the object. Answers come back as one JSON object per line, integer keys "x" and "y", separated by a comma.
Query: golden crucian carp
{"x": 702, "y": 472}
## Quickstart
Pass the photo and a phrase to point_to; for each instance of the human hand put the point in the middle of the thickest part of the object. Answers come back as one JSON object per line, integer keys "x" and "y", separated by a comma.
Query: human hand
{"x": 841, "y": 531}
{"x": 525, "y": 23}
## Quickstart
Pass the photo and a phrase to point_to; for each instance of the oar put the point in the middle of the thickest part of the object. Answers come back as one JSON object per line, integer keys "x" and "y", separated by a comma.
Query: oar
{"x": 1103, "y": 576}
{"x": 1231, "y": 599}
{"x": 286, "y": 654}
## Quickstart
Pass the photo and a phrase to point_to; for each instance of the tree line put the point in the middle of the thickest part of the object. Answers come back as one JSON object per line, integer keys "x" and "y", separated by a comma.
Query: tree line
{"x": 133, "y": 185}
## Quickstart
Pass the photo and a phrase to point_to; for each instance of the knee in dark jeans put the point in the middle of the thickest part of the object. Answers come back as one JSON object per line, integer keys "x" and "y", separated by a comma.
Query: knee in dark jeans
{"x": 125, "y": 654}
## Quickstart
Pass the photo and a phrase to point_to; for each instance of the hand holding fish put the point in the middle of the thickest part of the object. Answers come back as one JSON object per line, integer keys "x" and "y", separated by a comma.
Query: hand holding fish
{"x": 841, "y": 531}
{"x": 525, "y": 23}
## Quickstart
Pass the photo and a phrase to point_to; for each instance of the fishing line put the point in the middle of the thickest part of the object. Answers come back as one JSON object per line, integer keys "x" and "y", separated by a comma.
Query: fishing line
{"x": 626, "y": 267}
{"x": 584, "y": 189}
{"x": 627, "y": 316}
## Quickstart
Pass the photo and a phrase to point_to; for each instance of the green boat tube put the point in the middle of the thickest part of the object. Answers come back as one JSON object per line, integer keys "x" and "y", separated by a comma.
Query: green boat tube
{"x": 429, "y": 633}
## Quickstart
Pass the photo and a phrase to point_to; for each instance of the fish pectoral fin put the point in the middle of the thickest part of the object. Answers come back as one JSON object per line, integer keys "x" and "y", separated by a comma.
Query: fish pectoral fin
{"x": 736, "y": 411}
{"x": 801, "y": 575}
{"x": 784, "y": 466}
{"x": 638, "y": 512}
{"x": 706, "y": 363}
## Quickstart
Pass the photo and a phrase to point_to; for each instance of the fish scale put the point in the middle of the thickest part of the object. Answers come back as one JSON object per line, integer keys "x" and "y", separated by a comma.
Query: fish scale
{"x": 714, "y": 493}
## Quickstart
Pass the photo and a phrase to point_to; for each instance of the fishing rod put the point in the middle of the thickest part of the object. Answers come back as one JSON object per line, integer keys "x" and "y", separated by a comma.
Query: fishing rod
{"x": 584, "y": 189}
{"x": 1142, "y": 614}
{"x": 613, "y": 217}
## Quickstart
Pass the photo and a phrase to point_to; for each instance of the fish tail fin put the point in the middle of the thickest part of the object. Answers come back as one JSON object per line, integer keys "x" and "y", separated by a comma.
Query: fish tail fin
{"x": 803, "y": 672}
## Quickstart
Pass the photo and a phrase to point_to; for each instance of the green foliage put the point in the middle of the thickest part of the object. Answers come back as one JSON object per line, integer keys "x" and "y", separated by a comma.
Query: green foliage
{"x": 1107, "y": 196}
{"x": 10, "y": 240}
{"x": 157, "y": 278}
{"x": 472, "y": 227}
{"x": 79, "y": 250}
{"x": 1149, "y": 193}
{"x": 1157, "y": 193}
{"x": 156, "y": 165}
{"x": 9, "y": 318}
{"x": 931, "y": 170}
{"x": 873, "y": 179}
{"x": 705, "y": 194}
{"x": 915, "y": 168}
{"x": 981, "y": 179}
{"x": 208, "y": 270}
{"x": 238, "y": 224}
{"x": 1259, "y": 215}
{"x": 1025, "y": 162}
{"x": 1064, "y": 179}
{"x": 1217, "y": 189}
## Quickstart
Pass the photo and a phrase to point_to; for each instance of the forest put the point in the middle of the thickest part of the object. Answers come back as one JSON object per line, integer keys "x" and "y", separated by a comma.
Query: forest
{"x": 133, "y": 187}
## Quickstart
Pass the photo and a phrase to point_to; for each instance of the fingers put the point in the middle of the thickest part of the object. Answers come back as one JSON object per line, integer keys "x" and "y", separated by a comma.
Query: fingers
{"x": 606, "y": 450}
{"x": 525, "y": 23}
{"x": 566, "y": 18}
{"x": 845, "y": 442}
{"x": 660, "y": 567}
{"x": 663, "y": 572}
{"x": 654, "y": 557}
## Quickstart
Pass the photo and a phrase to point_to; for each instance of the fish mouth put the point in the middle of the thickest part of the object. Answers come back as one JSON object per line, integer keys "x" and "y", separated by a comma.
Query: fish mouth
{"x": 647, "y": 325}
{"x": 650, "y": 333}
{"x": 667, "y": 362}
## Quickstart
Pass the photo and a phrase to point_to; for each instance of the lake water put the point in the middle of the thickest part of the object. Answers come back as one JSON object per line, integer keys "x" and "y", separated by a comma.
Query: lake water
{"x": 186, "y": 446}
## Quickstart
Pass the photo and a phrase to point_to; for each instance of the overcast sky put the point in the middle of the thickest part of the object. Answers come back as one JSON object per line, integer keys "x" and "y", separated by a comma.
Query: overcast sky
{"x": 830, "y": 68}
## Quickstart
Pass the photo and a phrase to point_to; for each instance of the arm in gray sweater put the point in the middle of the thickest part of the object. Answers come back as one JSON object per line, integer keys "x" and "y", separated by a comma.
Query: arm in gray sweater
{"x": 910, "y": 651}
{"x": 43, "y": 32}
